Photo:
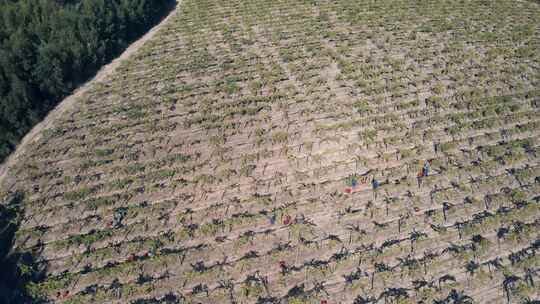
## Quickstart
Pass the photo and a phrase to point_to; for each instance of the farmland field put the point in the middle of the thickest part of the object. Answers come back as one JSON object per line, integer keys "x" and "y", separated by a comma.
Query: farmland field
{"x": 299, "y": 151}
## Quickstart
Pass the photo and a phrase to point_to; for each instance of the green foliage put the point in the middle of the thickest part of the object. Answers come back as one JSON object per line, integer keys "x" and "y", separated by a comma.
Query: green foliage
{"x": 448, "y": 146}
{"x": 437, "y": 102}
{"x": 231, "y": 86}
{"x": 89, "y": 239}
{"x": 280, "y": 137}
{"x": 362, "y": 106}
{"x": 48, "y": 47}
{"x": 368, "y": 136}
{"x": 77, "y": 194}
{"x": 349, "y": 180}
{"x": 104, "y": 152}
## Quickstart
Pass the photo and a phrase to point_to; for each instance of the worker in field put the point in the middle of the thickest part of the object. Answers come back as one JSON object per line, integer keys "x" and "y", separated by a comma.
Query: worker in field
{"x": 432, "y": 193}
{"x": 287, "y": 220}
{"x": 283, "y": 267}
{"x": 354, "y": 185}
{"x": 299, "y": 219}
{"x": 423, "y": 172}
{"x": 272, "y": 219}
{"x": 426, "y": 168}
{"x": 375, "y": 184}
{"x": 355, "y": 182}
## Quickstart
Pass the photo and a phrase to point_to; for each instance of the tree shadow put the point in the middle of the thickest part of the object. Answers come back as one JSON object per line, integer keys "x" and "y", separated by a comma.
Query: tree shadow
{"x": 18, "y": 267}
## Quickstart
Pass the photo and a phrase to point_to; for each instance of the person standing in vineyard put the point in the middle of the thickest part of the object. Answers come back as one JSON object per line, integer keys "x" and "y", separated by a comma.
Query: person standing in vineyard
{"x": 423, "y": 172}
{"x": 426, "y": 168}
{"x": 272, "y": 219}
{"x": 375, "y": 185}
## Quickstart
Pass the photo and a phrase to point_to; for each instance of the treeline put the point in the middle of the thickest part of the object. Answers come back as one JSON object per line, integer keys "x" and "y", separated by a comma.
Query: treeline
{"x": 48, "y": 47}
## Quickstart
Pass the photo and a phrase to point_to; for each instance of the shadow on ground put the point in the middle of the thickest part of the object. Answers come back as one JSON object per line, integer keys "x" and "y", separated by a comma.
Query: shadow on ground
{"x": 18, "y": 268}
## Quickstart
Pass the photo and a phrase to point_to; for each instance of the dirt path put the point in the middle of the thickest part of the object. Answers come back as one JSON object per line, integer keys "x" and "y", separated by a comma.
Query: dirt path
{"x": 70, "y": 101}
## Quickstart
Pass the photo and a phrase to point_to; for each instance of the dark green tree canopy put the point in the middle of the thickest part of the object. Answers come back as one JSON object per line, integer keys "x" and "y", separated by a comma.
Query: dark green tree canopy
{"x": 48, "y": 47}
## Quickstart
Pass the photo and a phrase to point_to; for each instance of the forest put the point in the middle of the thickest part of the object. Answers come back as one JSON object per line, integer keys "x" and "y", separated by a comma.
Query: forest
{"x": 48, "y": 47}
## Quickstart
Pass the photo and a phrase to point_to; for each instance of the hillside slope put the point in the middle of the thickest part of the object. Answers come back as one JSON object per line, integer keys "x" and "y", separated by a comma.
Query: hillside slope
{"x": 298, "y": 152}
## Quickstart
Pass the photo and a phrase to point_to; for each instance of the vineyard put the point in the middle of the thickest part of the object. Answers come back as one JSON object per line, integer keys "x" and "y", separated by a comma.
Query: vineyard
{"x": 299, "y": 151}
